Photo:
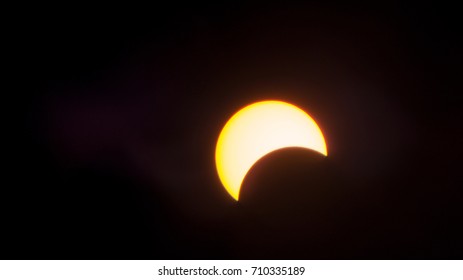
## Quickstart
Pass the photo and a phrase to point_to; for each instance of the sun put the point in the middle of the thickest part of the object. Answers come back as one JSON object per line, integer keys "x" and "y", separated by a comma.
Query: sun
{"x": 257, "y": 130}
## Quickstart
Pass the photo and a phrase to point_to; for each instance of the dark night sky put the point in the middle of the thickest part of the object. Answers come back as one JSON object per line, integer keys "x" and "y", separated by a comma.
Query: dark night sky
{"x": 119, "y": 113}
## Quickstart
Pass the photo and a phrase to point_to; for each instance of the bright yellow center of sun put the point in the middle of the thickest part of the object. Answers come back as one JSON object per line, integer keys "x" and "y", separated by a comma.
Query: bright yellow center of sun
{"x": 257, "y": 130}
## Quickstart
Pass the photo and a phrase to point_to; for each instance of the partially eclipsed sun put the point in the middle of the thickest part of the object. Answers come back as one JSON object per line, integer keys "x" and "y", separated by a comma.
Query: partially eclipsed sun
{"x": 257, "y": 130}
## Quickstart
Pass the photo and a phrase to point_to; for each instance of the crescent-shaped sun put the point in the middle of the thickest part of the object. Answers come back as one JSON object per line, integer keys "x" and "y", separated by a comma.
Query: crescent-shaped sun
{"x": 257, "y": 130}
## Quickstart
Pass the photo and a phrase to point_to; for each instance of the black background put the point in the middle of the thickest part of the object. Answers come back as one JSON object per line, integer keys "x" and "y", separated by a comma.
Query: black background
{"x": 119, "y": 110}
